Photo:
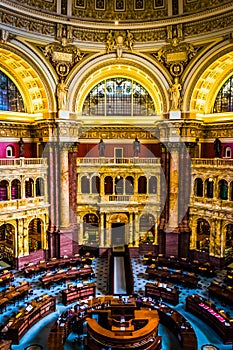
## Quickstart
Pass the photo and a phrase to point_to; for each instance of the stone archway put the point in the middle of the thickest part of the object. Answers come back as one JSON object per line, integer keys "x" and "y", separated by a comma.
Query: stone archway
{"x": 119, "y": 229}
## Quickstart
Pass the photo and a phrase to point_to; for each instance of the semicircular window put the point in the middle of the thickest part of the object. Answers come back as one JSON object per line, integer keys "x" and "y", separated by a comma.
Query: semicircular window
{"x": 224, "y": 99}
{"x": 118, "y": 97}
{"x": 10, "y": 97}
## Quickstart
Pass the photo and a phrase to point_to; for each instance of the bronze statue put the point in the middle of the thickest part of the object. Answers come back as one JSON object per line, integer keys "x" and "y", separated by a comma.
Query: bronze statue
{"x": 217, "y": 148}
{"x": 101, "y": 147}
{"x": 136, "y": 147}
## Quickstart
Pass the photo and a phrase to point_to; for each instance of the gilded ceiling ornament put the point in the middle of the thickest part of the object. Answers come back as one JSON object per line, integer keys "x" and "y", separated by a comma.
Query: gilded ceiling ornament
{"x": 62, "y": 56}
{"x": 176, "y": 54}
{"x": 4, "y": 35}
{"x": 119, "y": 41}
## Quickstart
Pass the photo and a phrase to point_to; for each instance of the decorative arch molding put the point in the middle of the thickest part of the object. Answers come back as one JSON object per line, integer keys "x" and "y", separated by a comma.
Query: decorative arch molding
{"x": 30, "y": 75}
{"x": 130, "y": 66}
{"x": 206, "y": 77}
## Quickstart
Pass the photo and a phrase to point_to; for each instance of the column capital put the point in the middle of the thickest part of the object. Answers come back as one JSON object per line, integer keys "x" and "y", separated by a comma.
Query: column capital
{"x": 66, "y": 146}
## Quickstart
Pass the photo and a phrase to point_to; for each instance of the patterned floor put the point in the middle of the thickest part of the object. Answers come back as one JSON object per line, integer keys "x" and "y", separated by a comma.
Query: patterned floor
{"x": 39, "y": 333}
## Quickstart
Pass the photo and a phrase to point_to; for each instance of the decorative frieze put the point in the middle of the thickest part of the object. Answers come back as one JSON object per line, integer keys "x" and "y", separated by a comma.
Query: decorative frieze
{"x": 116, "y": 133}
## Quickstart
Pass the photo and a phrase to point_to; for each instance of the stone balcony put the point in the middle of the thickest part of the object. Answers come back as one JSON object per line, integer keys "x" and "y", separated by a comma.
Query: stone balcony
{"x": 22, "y": 162}
{"x": 212, "y": 163}
{"x": 117, "y": 161}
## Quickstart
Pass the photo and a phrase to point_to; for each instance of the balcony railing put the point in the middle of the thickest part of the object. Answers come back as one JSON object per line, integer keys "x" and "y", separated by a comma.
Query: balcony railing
{"x": 17, "y": 204}
{"x": 213, "y": 162}
{"x": 22, "y": 162}
{"x": 111, "y": 161}
{"x": 116, "y": 198}
{"x": 212, "y": 202}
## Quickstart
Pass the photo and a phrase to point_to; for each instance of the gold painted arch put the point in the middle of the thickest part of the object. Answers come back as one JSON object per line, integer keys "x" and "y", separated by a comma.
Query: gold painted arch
{"x": 209, "y": 84}
{"x": 125, "y": 70}
{"x": 26, "y": 79}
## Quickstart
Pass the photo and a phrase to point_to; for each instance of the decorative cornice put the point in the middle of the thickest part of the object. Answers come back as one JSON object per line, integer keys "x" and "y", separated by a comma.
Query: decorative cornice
{"x": 34, "y": 21}
{"x": 124, "y": 23}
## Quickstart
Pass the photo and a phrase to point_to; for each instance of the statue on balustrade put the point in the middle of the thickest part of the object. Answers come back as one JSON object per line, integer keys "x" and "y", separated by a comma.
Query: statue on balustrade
{"x": 21, "y": 147}
{"x": 136, "y": 147}
{"x": 101, "y": 148}
{"x": 217, "y": 148}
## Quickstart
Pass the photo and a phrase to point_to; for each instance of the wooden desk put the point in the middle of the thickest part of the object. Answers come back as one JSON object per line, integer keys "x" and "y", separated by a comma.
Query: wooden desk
{"x": 225, "y": 293}
{"x": 5, "y": 344}
{"x": 99, "y": 337}
{"x": 205, "y": 269}
{"x": 76, "y": 293}
{"x": 6, "y": 277}
{"x": 62, "y": 275}
{"x": 17, "y": 326}
{"x": 14, "y": 293}
{"x": 206, "y": 311}
{"x": 187, "y": 279}
{"x": 162, "y": 291}
{"x": 175, "y": 322}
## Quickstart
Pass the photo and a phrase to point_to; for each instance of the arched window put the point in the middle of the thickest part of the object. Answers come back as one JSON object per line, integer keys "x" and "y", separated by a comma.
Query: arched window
{"x": 118, "y": 96}
{"x": 29, "y": 188}
{"x": 223, "y": 189}
{"x": 15, "y": 189}
{"x": 119, "y": 185}
{"x": 231, "y": 191}
{"x": 203, "y": 235}
{"x": 10, "y": 97}
{"x": 224, "y": 99}
{"x": 39, "y": 187}
{"x": 227, "y": 153}
{"x": 142, "y": 185}
{"x": 85, "y": 184}
{"x": 95, "y": 184}
{"x": 209, "y": 184}
{"x": 153, "y": 185}
{"x": 10, "y": 151}
{"x": 147, "y": 228}
{"x": 34, "y": 235}
{"x": 7, "y": 238}
{"x": 198, "y": 187}
{"x": 129, "y": 185}
{"x": 229, "y": 236}
{"x": 3, "y": 190}
{"x": 108, "y": 185}
{"x": 90, "y": 228}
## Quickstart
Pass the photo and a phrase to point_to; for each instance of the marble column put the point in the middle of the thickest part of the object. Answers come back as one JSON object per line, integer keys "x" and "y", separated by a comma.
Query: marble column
{"x": 136, "y": 229}
{"x": 20, "y": 244}
{"x": 64, "y": 185}
{"x": 108, "y": 239}
{"x": 193, "y": 237}
{"x": 101, "y": 234}
{"x": 130, "y": 228}
{"x": 174, "y": 183}
{"x": 80, "y": 233}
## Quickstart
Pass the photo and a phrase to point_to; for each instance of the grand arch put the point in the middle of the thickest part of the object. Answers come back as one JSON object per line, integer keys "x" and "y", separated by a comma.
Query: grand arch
{"x": 137, "y": 68}
{"x": 33, "y": 82}
{"x": 206, "y": 78}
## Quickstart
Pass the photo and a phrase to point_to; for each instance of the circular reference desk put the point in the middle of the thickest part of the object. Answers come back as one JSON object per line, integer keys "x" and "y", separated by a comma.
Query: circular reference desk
{"x": 121, "y": 326}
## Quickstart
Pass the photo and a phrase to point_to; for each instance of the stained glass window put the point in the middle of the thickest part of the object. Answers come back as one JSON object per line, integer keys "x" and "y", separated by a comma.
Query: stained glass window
{"x": 224, "y": 99}
{"x": 10, "y": 97}
{"x": 119, "y": 96}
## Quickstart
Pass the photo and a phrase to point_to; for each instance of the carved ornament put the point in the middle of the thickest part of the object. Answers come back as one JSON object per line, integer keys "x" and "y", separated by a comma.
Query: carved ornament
{"x": 62, "y": 56}
{"x": 176, "y": 54}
